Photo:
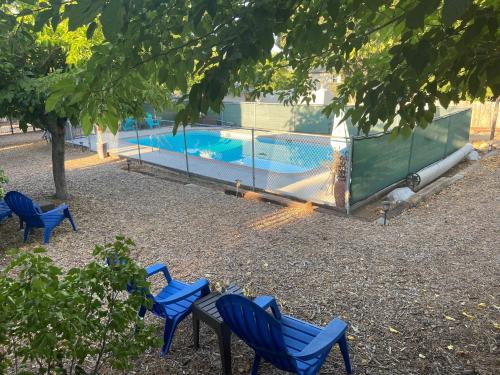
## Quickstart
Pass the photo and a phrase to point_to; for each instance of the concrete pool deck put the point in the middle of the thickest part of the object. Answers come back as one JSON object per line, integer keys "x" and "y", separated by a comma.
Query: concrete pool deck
{"x": 312, "y": 185}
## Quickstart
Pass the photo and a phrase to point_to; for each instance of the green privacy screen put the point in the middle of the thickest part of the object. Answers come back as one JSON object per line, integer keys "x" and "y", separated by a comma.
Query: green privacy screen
{"x": 378, "y": 162}
{"x": 300, "y": 118}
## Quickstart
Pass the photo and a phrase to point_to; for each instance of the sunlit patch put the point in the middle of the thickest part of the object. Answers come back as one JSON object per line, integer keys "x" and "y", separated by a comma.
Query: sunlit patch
{"x": 87, "y": 162}
{"x": 283, "y": 217}
{"x": 14, "y": 147}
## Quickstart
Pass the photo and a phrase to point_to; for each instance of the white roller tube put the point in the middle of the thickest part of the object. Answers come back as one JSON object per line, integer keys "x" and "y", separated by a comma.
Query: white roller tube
{"x": 433, "y": 171}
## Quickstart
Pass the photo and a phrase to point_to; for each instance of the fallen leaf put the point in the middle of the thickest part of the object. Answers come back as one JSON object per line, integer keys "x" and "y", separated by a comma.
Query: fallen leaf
{"x": 481, "y": 305}
{"x": 349, "y": 337}
{"x": 469, "y": 316}
{"x": 496, "y": 325}
{"x": 449, "y": 318}
{"x": 393, "y": 330}
{"x": 421, "y": 356}
{"x": 450, "y": 347}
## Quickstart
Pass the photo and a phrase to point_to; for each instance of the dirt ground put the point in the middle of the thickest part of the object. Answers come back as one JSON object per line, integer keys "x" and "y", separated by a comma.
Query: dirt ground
{"x": 421, "y": 295}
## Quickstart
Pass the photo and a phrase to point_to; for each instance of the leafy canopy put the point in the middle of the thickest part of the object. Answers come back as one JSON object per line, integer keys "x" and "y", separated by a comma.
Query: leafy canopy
{"x": 399, "y": 57}
{"x": 32, "y": 60}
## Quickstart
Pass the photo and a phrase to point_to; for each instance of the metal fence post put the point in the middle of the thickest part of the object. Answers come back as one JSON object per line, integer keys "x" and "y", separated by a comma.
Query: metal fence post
{"x": 186, "y": 150}
{"x": 348, "y": 177}
{"x": 254, "y": 114}
{"x": 138, "y": 144}
{"x": 447, "y": 137}
{"x": 253, "y": 159}
{"x": 411, "y": 152}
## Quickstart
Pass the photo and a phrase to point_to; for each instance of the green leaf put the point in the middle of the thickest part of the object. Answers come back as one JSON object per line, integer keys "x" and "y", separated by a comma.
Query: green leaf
{"x": 333, "y": 8}
{"x": 91, "y": 29}
{"x": 42, "y": 19}
{"x": 112, "y": 19}
{"x": 453, "y": 10}
{"x": 52, "y": 101}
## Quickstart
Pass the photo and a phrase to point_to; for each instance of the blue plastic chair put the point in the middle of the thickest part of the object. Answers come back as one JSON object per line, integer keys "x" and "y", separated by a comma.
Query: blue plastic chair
{"x": 129, "y": 124}
{"x": 151, "y": 122}
{"x": 174, "y": 302}
{"x": 33, "y": 216}
{"x": 287, "y": 343}
{"x": 5, "y": 211}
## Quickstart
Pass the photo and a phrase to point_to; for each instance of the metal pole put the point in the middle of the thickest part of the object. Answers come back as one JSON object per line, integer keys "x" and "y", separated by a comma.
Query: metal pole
{"x": 348, "y": 177}
{"x": 138, "y": 145}
{"x": 494, "y": 124}
{"x": 186, "y": 150}
{"x": 253, "y": 159}
{"x": 447, "y": 137}
{"x": 254, "y": 113}
{"x": 411, "y": 152}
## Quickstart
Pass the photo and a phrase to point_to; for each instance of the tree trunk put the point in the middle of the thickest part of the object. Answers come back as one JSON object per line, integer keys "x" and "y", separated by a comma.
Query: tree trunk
{"x": 58, "y": 170}
{"x": 11, "y": 126}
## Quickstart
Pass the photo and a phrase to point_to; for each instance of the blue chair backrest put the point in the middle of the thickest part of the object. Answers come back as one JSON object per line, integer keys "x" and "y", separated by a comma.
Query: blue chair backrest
{"x": 24, "y": 207}
{"x": 258, "y": 328}
{"x": 129, "y": 123}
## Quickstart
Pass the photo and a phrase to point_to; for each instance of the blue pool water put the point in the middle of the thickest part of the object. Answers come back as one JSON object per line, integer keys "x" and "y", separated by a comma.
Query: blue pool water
{"x": 277, "y": 155}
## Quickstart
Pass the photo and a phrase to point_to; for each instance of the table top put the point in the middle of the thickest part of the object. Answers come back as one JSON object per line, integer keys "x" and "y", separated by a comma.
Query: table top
{"x": 206, "y": 305}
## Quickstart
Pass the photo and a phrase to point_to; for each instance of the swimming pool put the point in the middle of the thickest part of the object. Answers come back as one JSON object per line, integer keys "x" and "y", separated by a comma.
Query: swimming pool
{"x": 273, "y": 154}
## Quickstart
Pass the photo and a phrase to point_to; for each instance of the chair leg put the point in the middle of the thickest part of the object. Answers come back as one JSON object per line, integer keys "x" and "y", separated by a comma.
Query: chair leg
{"x": 70, "y": 218}
{"x": 168, "y": 335}
{"x": 46, "y": 235}
{"x": 255, "y": 366}
{"x": 344, "y": 349}
{"x": 142, "y": 312}
{"x": 196, "y": 332}
{"x": 27, "y": 231}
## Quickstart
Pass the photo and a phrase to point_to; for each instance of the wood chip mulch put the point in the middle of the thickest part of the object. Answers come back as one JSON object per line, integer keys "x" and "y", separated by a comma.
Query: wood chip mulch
{"x": 421, "y": 295}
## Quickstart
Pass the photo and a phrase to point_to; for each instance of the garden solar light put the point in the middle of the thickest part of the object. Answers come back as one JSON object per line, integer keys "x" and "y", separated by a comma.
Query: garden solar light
{"x": 386, "y": 205}
{"x": 238, "y": 184}
{"x": 128, "y": 165}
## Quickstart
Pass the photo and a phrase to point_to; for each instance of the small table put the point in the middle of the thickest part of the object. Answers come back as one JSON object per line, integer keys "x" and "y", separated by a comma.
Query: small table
{"x": 44, "y": 205}
{"x": 205, "y": 310}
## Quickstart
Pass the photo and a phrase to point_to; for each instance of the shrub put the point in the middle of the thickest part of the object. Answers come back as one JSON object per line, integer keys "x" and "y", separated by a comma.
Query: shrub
{"x": 3, "y": 181}
{"x": 77, "y": 322}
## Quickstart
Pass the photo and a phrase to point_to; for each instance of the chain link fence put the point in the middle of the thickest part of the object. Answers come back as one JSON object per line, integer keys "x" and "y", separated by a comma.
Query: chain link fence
{"x": 9, "y": 127}
{"x": 301, "y": 165}
{"x": 297, "y": 165}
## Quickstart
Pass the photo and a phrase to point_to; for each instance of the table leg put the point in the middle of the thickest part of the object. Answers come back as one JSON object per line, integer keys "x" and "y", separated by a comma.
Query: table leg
{"x": 224, "y": 336}
{"x": 196, "y": 331}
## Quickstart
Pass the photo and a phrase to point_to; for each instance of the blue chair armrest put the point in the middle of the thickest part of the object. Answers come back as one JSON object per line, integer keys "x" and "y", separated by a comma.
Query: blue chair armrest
{"x": 159, "y": 267}
{"x": 268, "y": 301}
{"x": 188, "y": 291}
{"x": 325, "y": 339}
{"x": 58, "y": 209}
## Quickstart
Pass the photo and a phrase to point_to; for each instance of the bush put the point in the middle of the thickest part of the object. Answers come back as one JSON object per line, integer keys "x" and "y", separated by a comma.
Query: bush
{"x": 77, "y": 322}
{"x": 3, "y": 181}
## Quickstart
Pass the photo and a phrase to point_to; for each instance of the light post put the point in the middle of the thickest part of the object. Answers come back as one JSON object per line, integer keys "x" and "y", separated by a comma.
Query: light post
{"x": 386, "y": 205}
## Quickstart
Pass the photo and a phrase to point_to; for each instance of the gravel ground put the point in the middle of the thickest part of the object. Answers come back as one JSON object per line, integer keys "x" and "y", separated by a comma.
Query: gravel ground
{"x": 421, "y": 295}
